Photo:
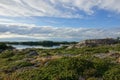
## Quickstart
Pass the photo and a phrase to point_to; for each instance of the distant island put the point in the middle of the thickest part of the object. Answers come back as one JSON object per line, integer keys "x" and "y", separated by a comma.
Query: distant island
{"x": 42, "y": 43}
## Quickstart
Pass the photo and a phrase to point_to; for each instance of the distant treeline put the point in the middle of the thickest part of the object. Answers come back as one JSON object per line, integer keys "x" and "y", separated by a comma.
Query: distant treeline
{"x": 43, "y": 43}
{"x": 3, "y": 46}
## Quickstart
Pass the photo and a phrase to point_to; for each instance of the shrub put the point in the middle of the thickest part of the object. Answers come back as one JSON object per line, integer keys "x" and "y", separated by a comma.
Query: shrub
{"x": 92, "y": 78}
{"x": 3, "y": 46}
{"x": 113, "y": 74}
{"x": 6, "y": 54}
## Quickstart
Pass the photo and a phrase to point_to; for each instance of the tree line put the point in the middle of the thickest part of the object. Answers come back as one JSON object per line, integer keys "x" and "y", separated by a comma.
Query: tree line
{"x": 43, "y": 43}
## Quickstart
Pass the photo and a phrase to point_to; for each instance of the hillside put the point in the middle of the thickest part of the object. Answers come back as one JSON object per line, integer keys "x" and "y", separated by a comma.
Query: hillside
{"x": 86, "y": 63}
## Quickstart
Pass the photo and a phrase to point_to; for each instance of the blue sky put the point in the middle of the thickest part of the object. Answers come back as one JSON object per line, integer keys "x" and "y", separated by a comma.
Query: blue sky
{"x": 59, "y": 20}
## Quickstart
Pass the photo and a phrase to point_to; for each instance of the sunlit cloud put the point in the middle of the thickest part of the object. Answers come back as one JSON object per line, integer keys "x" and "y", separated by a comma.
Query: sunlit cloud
{"x": 59, "y": 19}
{"x": 56, "y": 8}
{"x": 49, "y": 32}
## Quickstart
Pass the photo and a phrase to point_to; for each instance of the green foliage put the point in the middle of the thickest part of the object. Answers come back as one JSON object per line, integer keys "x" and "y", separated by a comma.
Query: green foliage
{"x": 11, "y": 67}
{"x": 92, "y": 78}
{"x": 6, "y": 54}
{"x": 101, "y": 66}
{"x": 72, "y": 64}
{"x": 3, "y": 46}
{"x": 113, "y": 73}
{"x": 24, "y": 64}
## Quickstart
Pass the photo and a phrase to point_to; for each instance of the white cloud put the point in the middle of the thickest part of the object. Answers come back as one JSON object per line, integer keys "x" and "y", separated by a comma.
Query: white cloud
{"x": 5, "y": 20}
{"x": 111, "y": 5}
{"x": 55, "y": 8}
{"x": 54, "y": 33}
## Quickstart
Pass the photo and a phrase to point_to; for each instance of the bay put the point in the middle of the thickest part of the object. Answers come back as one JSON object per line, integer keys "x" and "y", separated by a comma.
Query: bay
{"x": 28, "y": 46}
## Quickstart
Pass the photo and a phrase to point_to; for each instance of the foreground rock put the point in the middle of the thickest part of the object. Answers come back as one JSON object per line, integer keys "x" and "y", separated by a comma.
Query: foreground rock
{"x": 32, "y": 53}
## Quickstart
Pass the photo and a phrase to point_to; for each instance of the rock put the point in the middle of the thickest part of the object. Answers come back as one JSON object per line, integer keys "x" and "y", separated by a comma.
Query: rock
{"x": 32, "y": 53}
{"x": 101, "y": 55}
{"x": 118, "y": 60}
{"x": 81, "y": 78}
{"x": 93, "y": 43}
{"x": 1, "y": 50}
{"x": 115, "y": 55}
{"x": 113, "y": 51}
{"x": 70, "y": 47}
{"x": 37, "y": 64}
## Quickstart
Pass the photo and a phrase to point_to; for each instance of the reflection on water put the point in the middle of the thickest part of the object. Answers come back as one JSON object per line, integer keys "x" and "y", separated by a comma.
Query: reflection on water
{"x": 26, "y": 46}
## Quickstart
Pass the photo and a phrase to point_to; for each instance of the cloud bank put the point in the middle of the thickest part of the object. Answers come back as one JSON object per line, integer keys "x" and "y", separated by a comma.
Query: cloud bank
{"x": 56, "y": 8}
{"x": 54, "y": 33}
{"x": 12, "y": 10}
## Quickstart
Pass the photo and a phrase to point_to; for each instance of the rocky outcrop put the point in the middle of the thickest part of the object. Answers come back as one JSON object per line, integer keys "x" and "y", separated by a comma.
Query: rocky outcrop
{"x": 118, "y": 60}
{"x": 94, "y": 42}
{"x": 110, "y": 55}
{"x": 32, "y": 53}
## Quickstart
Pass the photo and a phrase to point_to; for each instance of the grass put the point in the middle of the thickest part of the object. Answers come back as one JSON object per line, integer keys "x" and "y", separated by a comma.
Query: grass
{"x": 60, "y": 64}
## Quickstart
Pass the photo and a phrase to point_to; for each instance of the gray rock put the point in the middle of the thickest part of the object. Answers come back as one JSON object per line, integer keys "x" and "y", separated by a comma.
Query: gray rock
{"x": 1, "y": 50}
{"x": 94, "y": 42}
{"x": 81, "y": 78}
{"x": 118, "y": 60}
{"x": 32, "y": 53}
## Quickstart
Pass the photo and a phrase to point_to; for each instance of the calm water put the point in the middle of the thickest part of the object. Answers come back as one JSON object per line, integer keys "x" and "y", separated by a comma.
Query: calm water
{"x": 26, "y": 46}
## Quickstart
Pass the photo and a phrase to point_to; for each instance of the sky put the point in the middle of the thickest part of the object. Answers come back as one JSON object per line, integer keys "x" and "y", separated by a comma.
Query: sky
{"x": 59, "y": 20}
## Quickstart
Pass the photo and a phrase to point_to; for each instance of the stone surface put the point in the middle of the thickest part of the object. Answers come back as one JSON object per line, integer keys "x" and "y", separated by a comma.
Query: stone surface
{"x": 118, "y": 60}
{"x": 32, "y": 53}
{"x": 94, "y": 42}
